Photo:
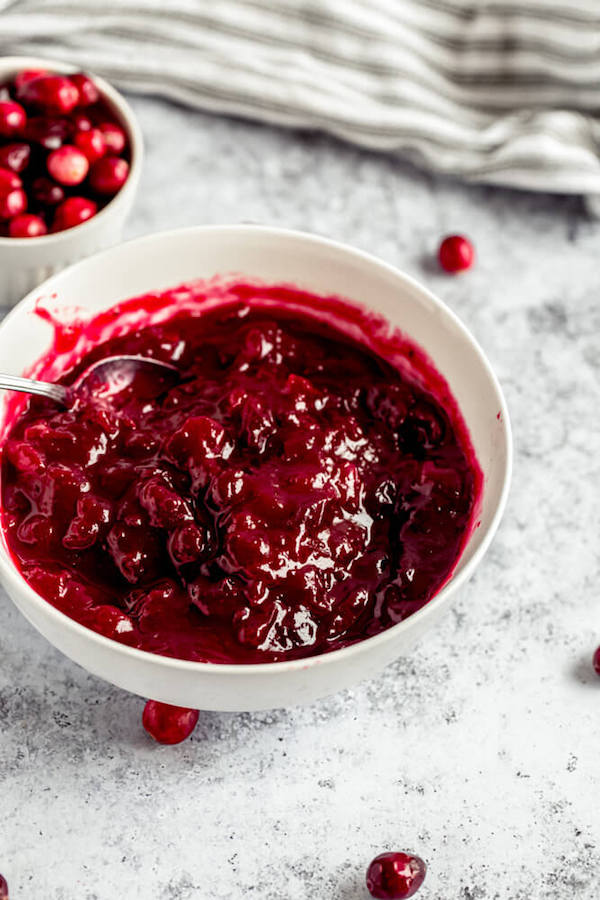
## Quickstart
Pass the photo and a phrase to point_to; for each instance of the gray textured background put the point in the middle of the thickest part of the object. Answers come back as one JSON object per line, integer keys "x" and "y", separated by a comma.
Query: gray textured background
{"x": 480, "y": 751}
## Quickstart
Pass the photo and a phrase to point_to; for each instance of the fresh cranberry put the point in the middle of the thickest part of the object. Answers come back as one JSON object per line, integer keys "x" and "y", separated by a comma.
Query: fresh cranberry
{"x": 56, "y": 113}
{"x": 27, "y": 226}
{"x": 81, "y": 122}
{"x": 456, "y": 253}
{"x": 68, "y": 165}
{"x": 108, "y": 175}
{"x": 22, "y": 78}
{"x": 72, "y": 212}
{"x": 12, "y": 204}
{"x": 9, "y": 181}
{"x": 12, "y": 118}
{"x": 51, "y": 93}
{"x": 3, "y": 888}
{"x": 48, "y": 131}
{"x": 114, "y": 137}
{"x": 91, "y": 143}
{"x": 88, "y": 92}
{"x": 596, "y": 661}
{"x": 395, "y": 876}
{"x": 47, "y": 192}
{"x": 15, "y": 157}
{"x": 168, "y": 724}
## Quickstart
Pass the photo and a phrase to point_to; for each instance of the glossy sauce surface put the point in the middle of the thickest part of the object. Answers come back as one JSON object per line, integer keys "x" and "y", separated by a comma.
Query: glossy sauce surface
{"x": 293, "y": 494}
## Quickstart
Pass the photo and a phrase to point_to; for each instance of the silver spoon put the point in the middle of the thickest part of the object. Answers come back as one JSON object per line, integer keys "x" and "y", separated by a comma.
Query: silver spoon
{"x": 108, "y": 376}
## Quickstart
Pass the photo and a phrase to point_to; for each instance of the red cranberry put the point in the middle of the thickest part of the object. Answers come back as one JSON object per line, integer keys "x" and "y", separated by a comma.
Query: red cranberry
{"x": 114, "y": 137}
{"x": 47, "y": 192}
{"x": 72, "y": 212}
{"x": 26, "y": 75}
{"x": 12, "y": 118}
{"x": 596, "y": 661}
{"x": 9, "y": 181}
{"x": 108, "y": 175}
{"x": 48, "y": 131}
{"x": 68, "y": 165}
{"x": 187, "y": 543}
{"x": 168, "y": 724}
{"x": 24, "y": 457}
{"x": 90, "y": 522}
{"x": 37, "y": 530}
{"x": 81, "y": 122}
{"x": 52, "y": 93}
{"x": 134, "y": 549}
{"x": 456, "y": 253}
{"x": 165, "y": 508}
{"x": 3, "y": 888}
{"x": 12, "y": 204}
{"x": 395, "y": 876}
{"x": 27, "y": 226}
{"x": 91, "y": 143}
{"x": 88, "y": 92}
{"x": 15, "y": 157}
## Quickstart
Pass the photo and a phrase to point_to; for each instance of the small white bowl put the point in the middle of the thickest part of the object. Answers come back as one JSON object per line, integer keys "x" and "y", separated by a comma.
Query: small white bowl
{"x": 325, "y": 267}
{"x": 25, "y": 262}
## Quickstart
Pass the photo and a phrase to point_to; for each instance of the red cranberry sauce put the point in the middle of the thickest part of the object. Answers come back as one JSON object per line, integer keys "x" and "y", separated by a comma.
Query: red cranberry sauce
{"x": 294, "y": 494}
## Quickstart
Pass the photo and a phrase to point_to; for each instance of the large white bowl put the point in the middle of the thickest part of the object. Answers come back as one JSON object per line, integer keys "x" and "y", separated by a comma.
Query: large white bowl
{"x": 24, "y": 262}
{"x": 322, "y": 266}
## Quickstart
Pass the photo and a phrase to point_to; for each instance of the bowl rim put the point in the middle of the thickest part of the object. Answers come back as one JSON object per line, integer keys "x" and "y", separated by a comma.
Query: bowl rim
{"x": 12, "y": 64}
{"x": 11, "y": 574}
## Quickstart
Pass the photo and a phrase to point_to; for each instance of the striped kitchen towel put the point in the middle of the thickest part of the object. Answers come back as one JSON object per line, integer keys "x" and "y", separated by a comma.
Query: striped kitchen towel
{"x": 498, "y": 91}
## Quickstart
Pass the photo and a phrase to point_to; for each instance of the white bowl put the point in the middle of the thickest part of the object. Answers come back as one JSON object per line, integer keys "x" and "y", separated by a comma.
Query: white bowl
{"x": 325, "y": 267}
{"x": 25, "y": 262}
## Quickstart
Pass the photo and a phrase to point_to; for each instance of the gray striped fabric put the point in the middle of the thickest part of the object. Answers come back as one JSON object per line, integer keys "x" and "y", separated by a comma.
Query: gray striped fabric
{"x": 493, "y": 91}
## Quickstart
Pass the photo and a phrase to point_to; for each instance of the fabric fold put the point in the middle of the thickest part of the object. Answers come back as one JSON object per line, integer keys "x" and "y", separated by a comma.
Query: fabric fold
{"x": 491, "y": 91}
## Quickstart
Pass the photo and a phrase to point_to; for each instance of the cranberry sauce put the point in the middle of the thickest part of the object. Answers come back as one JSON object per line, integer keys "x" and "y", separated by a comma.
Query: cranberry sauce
{"x": 293, "y": 494}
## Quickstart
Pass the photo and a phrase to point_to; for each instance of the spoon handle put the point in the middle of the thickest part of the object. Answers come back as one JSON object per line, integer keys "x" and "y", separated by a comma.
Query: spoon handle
{"x": 54, "y": 392}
